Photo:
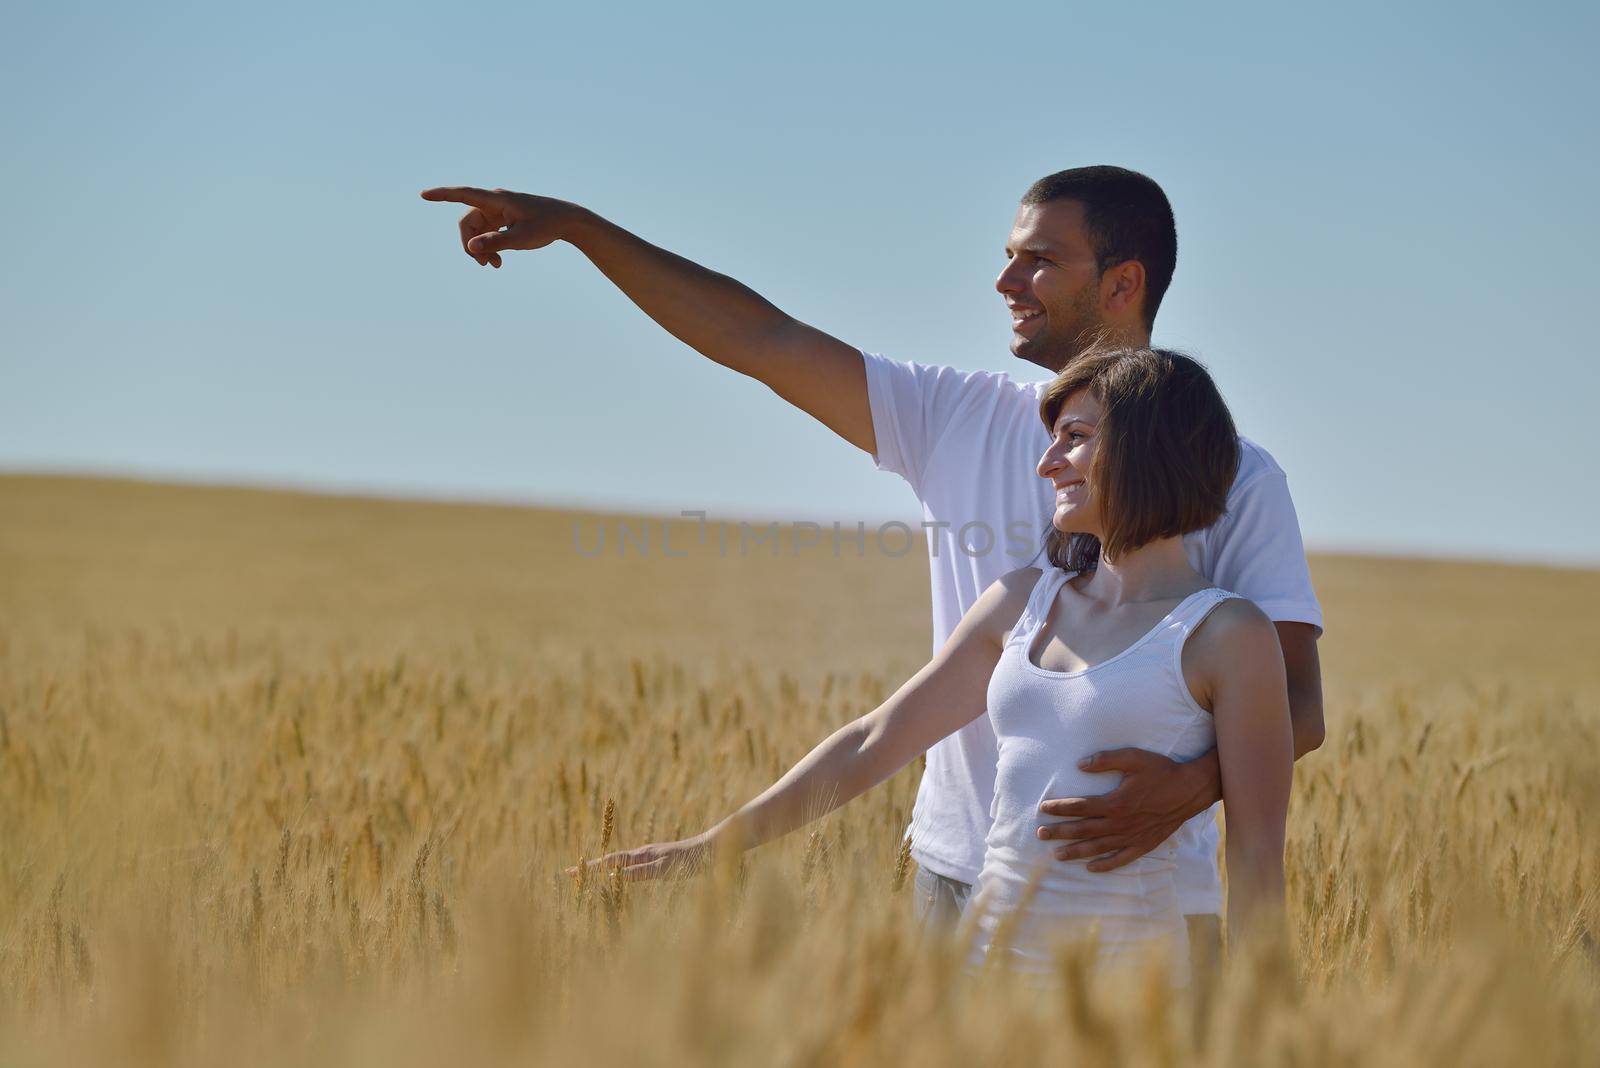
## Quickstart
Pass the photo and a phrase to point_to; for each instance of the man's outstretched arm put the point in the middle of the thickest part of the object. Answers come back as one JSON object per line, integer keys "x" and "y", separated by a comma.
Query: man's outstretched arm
{"x": 717, "y": 316}
{"x": 1156, "y": 794}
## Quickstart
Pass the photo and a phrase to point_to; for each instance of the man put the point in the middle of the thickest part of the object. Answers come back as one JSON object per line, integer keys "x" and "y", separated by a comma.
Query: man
{"x": 1090, "y": 255}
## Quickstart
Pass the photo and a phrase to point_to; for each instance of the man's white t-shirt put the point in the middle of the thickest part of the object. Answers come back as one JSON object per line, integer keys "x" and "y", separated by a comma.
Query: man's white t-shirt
{"x": 969, "y": 443}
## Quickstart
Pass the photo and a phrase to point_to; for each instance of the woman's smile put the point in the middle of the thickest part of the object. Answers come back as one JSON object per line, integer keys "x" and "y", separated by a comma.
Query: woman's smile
{"x": 1067, "y": 492}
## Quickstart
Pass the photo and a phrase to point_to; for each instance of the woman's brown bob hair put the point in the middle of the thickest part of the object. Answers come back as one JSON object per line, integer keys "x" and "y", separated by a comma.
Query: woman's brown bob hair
{"x": 1166, "y": 455}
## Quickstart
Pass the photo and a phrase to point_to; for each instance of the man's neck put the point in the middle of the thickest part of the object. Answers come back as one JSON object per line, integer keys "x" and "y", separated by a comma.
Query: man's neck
{"x": 1109, "y": 337}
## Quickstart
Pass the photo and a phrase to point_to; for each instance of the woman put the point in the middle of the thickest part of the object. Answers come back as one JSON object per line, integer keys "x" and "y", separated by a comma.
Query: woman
{"x": 1119, "y": 642}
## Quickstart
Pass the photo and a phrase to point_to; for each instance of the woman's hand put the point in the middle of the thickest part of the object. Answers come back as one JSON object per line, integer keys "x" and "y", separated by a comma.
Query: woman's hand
{"x": 662, "y": 860}
{"x": 940, "y": 699}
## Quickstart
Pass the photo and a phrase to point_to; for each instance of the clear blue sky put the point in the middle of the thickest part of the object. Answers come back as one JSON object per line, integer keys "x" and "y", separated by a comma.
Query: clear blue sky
{"x": 216, "y": 265}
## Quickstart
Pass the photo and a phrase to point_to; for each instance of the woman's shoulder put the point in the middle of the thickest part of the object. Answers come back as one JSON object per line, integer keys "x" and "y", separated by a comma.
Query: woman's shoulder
{"x": 1234, "y": 627}
{"x": 1023, "y": 578}
{"x": 1234, "y": 657}
{"x": 999, "y": 607}
{"x": 1012, "y": 591}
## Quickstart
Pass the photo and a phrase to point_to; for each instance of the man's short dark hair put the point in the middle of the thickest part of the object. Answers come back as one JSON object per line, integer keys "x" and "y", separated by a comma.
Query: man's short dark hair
{"x": 1127, "y": 217}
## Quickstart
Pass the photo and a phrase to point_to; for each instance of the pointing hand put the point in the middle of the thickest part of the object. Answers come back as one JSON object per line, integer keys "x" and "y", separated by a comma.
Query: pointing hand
{"x": 502, "y": 220}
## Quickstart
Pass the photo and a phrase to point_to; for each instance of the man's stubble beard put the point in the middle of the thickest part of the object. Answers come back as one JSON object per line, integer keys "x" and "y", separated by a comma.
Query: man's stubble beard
{"x": 1084, "y": 330}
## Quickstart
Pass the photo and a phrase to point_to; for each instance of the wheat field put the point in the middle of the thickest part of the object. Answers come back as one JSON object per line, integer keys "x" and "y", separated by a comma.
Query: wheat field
{"x": 289, "y": 779}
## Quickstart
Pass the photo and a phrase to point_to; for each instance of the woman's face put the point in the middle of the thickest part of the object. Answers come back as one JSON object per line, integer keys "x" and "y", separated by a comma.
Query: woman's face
{"x": 1066, "y": 464}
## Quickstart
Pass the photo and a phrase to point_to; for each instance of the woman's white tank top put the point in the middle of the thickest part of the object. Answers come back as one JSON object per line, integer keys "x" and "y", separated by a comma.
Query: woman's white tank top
{"x": 1045, "y": 722}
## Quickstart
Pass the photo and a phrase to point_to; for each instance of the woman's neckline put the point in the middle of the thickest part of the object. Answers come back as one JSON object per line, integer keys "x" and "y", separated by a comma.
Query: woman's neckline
{"x": 1043, "y": 624}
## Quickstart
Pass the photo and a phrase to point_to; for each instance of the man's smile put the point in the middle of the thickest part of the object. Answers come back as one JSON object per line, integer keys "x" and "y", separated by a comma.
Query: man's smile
{"x": 1021, "y": 314}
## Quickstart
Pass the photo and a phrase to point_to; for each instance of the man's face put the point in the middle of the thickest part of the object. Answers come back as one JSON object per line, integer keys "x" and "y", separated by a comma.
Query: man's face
{"x": 1051, "y": 284}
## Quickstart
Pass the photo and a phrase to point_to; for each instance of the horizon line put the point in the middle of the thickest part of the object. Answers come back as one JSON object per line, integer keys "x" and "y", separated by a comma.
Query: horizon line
{"x": 428, "y": 493}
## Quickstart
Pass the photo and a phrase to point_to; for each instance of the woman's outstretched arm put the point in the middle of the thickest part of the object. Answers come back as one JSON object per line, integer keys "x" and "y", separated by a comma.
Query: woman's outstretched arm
{"x": 1255, "y": 747}
{"x": 948, "y": 693}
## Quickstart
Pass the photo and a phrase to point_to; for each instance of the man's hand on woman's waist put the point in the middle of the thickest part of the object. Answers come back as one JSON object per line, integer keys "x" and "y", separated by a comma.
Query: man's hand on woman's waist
{"x": 1154, "y": 798}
